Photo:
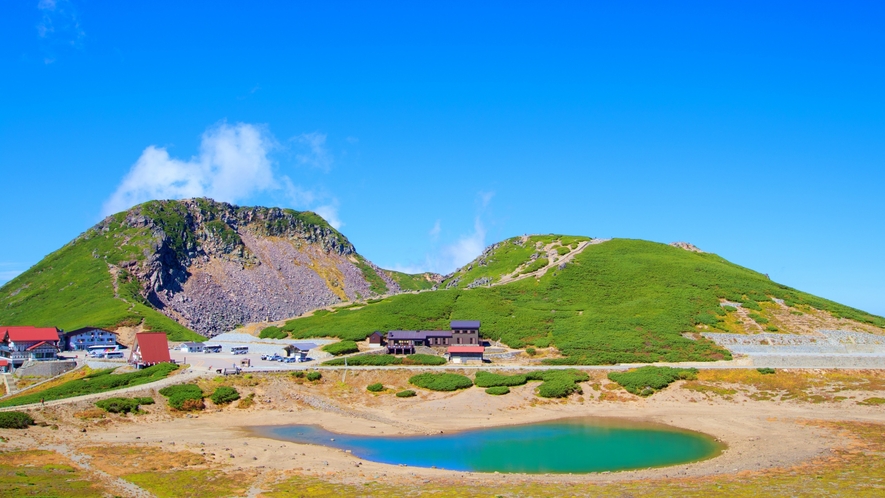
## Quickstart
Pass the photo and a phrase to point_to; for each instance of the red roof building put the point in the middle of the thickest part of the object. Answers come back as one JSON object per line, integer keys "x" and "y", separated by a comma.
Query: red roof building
{"x": 19, "y": 344}
{"x": 466, "y": 354}
{"x": 149, "y": 349}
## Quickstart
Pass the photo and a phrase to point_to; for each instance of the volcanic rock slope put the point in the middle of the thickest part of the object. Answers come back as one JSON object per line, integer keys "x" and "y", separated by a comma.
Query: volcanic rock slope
{"x": 195, "y": 264}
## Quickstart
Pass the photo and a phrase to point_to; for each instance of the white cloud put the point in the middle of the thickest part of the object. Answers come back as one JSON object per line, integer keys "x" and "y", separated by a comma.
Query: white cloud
{"x": 434, "y": 232}
{"x": 450, "y": 257}
{"x": 232, "y": 165}
{"x": 465, "y": 249}
{"x": 330, "y": 214}
{"x": 316, "y": 155}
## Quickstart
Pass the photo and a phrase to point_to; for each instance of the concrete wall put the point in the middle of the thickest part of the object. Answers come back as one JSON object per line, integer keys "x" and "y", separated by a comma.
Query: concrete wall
{"x": 45, "y": 368}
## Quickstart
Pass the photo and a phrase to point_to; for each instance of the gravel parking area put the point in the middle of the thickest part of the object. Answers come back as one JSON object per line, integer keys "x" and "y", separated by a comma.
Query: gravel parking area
{"x": 824, "y": 349}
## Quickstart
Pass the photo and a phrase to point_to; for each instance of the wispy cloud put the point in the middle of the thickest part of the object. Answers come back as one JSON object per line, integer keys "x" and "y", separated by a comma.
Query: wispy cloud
{"x": 234, "y": 164}
{"x": 8, "y": 271}
{"x": 59, "y": 26}
{"x": 434, "y": 232}
{"x": 448, "y": 257}
{"x": 314, "y": 152}
{"x": 329, "y": 212}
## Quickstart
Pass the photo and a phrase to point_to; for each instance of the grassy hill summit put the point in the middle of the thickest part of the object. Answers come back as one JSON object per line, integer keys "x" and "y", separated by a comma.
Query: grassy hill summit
{"x": 594, "y": 301}
{"x": 196, "y": 265}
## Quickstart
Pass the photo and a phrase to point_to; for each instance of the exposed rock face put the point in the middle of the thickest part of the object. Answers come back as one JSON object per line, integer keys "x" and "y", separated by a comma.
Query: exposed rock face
{"x": 686, "y": 246}
{"x": 211, "y": 266}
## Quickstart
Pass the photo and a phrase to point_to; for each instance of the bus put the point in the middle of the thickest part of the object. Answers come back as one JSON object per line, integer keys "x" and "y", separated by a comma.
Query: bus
{"x": 239, "y": 349}
{"x": 101, "y": 350}
{"x": 212, "y": 348}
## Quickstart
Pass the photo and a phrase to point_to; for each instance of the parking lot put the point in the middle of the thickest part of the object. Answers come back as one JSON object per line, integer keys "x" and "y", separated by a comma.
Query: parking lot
{"x": 223, "y": 360}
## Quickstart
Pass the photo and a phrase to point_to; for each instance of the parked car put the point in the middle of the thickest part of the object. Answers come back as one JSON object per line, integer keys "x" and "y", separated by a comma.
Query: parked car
{"x": 290, "y": 359}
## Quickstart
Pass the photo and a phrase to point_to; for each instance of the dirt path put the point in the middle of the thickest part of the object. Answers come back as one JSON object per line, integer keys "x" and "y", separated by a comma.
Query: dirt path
{"x": 559, "y": 260}
{"x": 119, "y": 485}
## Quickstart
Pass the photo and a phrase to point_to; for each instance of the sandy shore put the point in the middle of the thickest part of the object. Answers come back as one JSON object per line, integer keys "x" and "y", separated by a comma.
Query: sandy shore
{"x": 759, "y": 434}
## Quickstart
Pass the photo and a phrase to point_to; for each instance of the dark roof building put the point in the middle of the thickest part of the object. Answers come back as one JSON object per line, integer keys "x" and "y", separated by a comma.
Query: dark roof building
{"x": 464, "y": 324}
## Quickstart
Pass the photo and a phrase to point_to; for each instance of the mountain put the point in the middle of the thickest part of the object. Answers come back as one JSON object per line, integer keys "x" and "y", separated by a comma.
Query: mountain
{"x": 196, "y": 265}
{"x": 594, "y": 301}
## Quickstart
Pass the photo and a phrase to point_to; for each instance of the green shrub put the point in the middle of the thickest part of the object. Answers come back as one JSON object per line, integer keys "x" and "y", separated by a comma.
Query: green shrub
{"x": 531, "y": 351}
{"x": 706, "y": 319}
{"x": 375, "y": 388}
{"x": 771, "y": 328}
{"x": 15, "y": 420}
{"x": 184, "y": 397}
{"x": 729, "y": 308}
{"x": 408, "y": 393}
{"x": 383, "y": 360}
{"x": 298, "y": 374}
{"x": 766, "y": 371}
{"x": 273, "y": 332}
{"x": 441, "y": 381}
{"x": 751, "y": 305}
{"x": 98, "y": 381}
{"x": 224, "y": 395}
{"x": 340, "y": 348}
{"x": 488, "y": 379}
{"x": 563, "y": 250}
{"x": 558, "y": 388}
{"x": 498, "y": 390}
{"x": 145, "y": 401}
{"x": 121, "y": 405}
{"x": 758, "y": 318}
{"x": 423, "y": 359}
{"x": 314, "y": 376}
{"x": 644, "y": 381}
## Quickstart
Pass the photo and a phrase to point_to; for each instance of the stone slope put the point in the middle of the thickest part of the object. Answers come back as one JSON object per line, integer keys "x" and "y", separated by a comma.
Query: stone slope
{"x": 207, "y": 265}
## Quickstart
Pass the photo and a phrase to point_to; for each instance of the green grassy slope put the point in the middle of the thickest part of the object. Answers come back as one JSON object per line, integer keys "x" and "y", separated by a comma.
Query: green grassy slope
{"x": 408, "y": 282}
{"x": 508, "y": 256}
{"x": 619, "y": 301}
{"x": 73, "y": 288}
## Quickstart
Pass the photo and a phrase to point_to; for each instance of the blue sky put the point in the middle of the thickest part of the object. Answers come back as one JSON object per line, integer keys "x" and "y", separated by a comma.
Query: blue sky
{"x": 425, "y": 132}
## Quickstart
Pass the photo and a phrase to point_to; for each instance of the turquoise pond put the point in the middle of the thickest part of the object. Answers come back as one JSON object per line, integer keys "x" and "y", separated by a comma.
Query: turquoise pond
{"x": 578, "y": 445}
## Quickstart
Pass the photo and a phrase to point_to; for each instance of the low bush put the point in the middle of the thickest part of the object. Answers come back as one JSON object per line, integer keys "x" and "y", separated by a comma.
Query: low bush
{"x": 441, "y": 381}
{"x": 558, "y": 388}
{"x": 531, "y": 351}
{"x": 298, "y": 374}
{"x": 383, "y": 360}
{"x": 771, "y": 328}
{"x": 375, "y": 388}
{"x": 224, "y": 395}
{"x": 247, "y": 401}
{"x": 98, "y": 381}
{"x": 122, "y": 405}
{"x": 645, "y": 381}
{"x": 423, "y": 359}
{"x": 729, "y": 308}
{"x": 408, "y": 393}
{"x": 314, "y": 376}
{"x": 184, "y": 397}
{"x": 340, "y": 348}
{"x": 273, "y": 333}
{"x": 751, "y": 305}
{"x": 488, "y": 379}
{"x": 145, "y": 401}
{"x": 758, "y": 318}
{"x": 563, "y": 250}
{"x": 15, "y": 420}
{"x": 766, "y": 371}
{"x": 498, "y": 390}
